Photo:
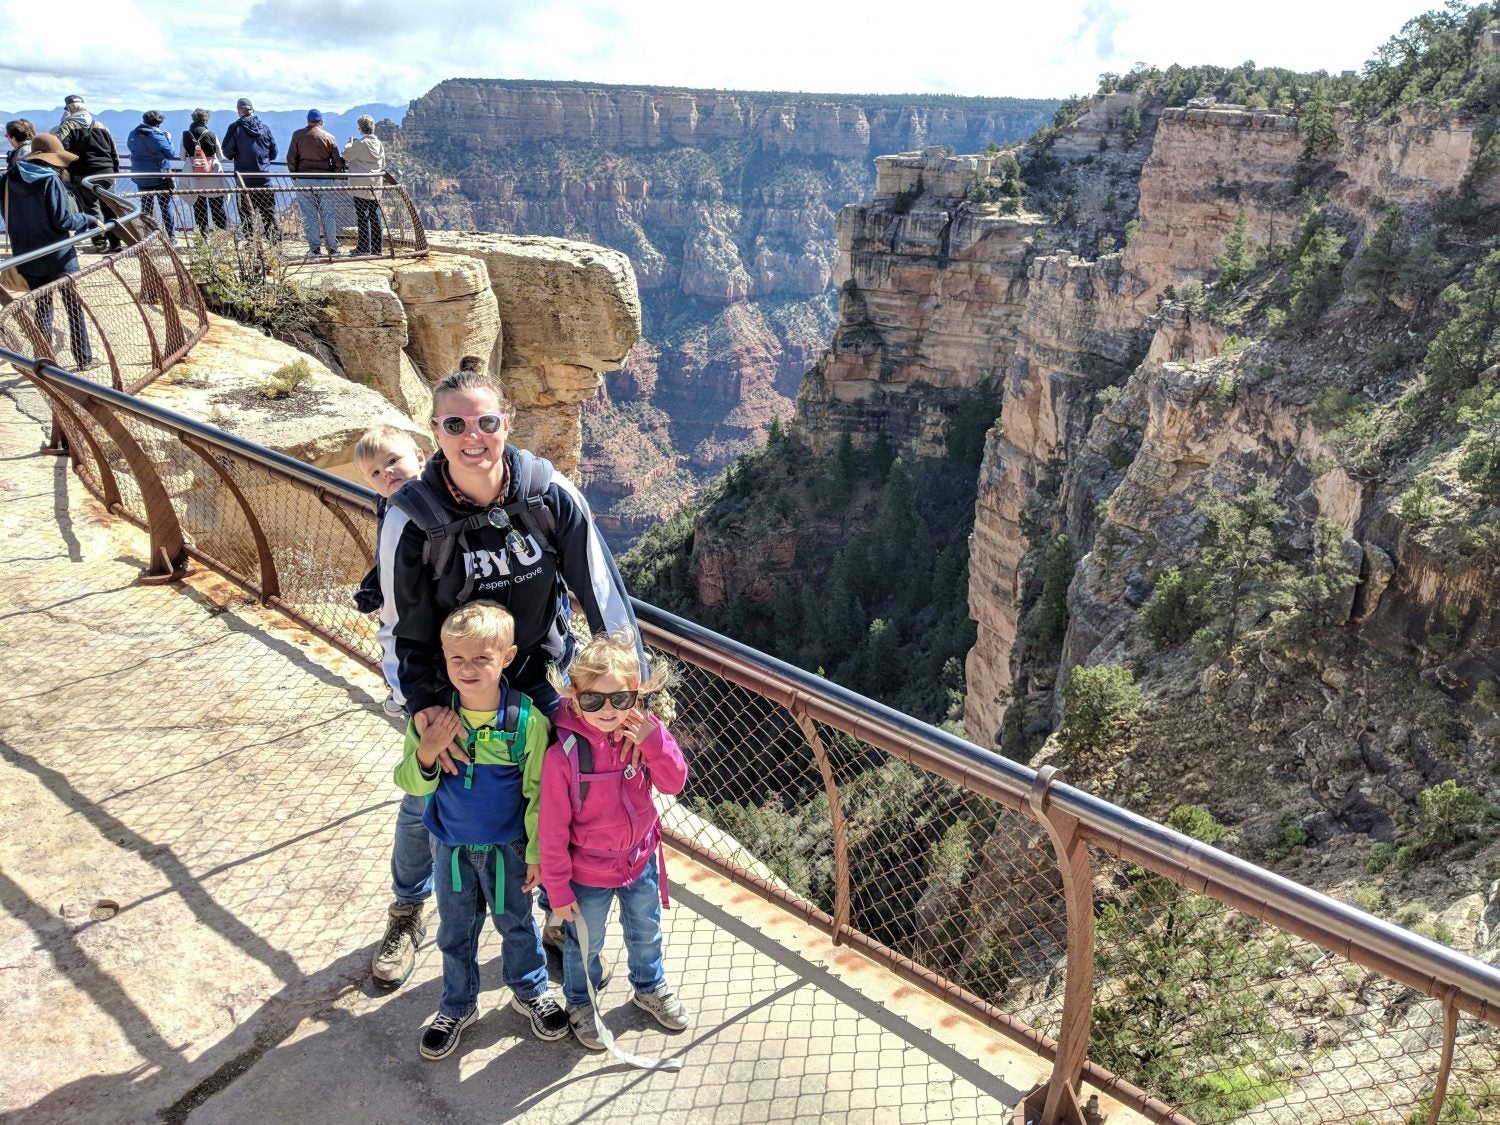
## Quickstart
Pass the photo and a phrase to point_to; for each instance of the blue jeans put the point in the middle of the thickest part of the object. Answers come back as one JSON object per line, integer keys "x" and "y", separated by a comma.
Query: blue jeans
{"x": 312, "y": 203}
{"x": 640, "y": 918}
{"x": 411, "y": 858}
{"x": 461, "y": 916}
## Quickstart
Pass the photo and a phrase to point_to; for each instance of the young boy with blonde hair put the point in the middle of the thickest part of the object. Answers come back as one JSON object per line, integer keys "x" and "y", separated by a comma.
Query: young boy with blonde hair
{"x": 482, "y": 814}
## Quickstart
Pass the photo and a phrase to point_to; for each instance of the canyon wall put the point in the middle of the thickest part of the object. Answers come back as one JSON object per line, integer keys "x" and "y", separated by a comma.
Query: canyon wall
{"x": 725, "y": 203}
{"x": 938, "y": 292}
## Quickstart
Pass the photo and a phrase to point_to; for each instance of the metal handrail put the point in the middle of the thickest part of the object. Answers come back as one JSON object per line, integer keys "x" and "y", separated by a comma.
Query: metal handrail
{"x": 1351, "y": 931}
{"x": 1073, "y": 820}
{"x": 1010, "y": 782}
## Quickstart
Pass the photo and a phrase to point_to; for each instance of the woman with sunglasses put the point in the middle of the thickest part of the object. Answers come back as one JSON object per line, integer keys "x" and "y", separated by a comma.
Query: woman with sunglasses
{"x": 599, "y": 831}
{"x": 522, "y": 546}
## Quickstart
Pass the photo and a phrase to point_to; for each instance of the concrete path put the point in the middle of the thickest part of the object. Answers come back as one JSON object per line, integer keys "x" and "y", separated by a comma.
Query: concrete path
{"x": 195, "y": 819}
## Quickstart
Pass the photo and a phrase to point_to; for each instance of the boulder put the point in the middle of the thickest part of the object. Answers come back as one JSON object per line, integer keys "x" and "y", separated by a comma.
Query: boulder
{"x": 450, "y": 311}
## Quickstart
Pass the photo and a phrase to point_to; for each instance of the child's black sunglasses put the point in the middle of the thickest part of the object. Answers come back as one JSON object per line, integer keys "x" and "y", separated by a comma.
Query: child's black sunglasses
{"x": 594, "y": 700}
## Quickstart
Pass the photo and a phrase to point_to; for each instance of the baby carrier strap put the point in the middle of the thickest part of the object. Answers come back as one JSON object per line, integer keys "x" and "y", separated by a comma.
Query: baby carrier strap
{"x": 425, "y": 510}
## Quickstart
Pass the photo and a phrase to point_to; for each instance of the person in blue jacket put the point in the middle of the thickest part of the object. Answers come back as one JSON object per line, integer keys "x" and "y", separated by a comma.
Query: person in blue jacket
{"x": 39, "y": 212}
{"x": 150, "y": 159}
{"x": 250, "y": 146}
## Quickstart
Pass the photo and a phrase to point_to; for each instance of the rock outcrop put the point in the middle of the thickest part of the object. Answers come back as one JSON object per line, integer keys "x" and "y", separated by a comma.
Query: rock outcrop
{"x": 571, "y": 311}
{"x": 724, "y": 202}
{"x": 548, "y": 317}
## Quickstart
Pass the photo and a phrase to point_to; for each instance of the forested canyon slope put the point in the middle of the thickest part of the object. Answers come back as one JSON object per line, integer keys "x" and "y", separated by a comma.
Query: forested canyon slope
{"x": 725, "y": 203}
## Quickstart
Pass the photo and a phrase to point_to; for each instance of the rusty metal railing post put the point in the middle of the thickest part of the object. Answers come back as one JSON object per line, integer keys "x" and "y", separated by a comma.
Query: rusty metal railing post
{"x": 169, "y": 557}
{"x": 63, "y": 419}
{"x": 1059, "y": 1095}
{"x": 1445, "y": 1066}
{"x": 841, "y": 897}
{"x": 270, "y": 580}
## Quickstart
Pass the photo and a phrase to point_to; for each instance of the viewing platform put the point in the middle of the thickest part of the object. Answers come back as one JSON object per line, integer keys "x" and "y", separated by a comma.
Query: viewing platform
{"x": 194, "y": 865}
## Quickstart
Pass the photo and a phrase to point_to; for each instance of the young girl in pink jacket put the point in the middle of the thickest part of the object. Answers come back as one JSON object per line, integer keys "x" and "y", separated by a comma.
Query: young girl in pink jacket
{"x": 599, "y": 831}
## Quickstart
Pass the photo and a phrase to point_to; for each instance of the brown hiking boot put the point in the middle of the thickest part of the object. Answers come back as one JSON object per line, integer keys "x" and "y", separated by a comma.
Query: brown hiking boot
{"x": 396, "y": 955}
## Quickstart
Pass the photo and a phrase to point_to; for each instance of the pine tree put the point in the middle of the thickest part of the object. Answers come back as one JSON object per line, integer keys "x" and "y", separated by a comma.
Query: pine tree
{"x": 1302, "y": 600}
{"x": 1470, "y": 342}
{"x": 1315, "y": 122}
{"x": 1237, "y": 261}
{"x": 1240, "y": 556}
{"x": 1132, "y": 128}
{"x": 1378, "y": 269}
{"x": 1050, "y": 617}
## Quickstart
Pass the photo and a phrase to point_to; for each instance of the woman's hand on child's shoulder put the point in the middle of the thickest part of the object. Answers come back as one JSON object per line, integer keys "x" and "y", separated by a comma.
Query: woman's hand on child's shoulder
{"x": 440, "y": 729}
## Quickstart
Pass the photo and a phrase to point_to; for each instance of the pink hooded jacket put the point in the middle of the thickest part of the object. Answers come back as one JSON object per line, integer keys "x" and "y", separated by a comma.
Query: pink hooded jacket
{"x": 617, "y": 815}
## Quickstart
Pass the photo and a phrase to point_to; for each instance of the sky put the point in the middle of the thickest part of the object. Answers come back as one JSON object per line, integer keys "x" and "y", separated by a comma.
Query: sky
{"x": 287, "y": 54}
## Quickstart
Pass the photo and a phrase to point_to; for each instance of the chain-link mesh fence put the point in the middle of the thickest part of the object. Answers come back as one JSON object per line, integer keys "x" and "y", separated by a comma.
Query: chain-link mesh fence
{"x": 316, "y": 217}
{"x": 1219, "y": 1015}
{"x": 120, "y": 321}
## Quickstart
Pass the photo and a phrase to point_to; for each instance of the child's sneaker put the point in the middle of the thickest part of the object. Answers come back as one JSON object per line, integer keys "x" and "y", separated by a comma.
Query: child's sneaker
{"x": 548, "y": 1020}
{"x": 441, "y": 1036}
{"x": 581, "y": 1019}
{"x": 660, "y": 1002}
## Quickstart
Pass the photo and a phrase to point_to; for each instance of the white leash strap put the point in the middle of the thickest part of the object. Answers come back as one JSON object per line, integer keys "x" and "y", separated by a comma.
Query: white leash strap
{"x": 599, "y": 1029}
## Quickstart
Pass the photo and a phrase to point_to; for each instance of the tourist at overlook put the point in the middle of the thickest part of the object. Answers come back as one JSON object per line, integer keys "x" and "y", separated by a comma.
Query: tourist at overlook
{"x": 150, "y": 159}
{"x": 485, "y": 520}
{"x": 200, "y": 154}
{"x": 364, "y": 157}
{"x": 313, "y": 150}
{"x": 249, "y": 144}
{"x": 483, "y": 824}
{"x": 600, "y": 835}
{"x": 87, "y": 138}
{"x": 19, "y": 133}
{"x": 37, "y": 213}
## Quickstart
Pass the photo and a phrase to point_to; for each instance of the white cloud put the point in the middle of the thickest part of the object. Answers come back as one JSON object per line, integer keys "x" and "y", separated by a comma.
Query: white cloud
{"x": 335, "y": 53}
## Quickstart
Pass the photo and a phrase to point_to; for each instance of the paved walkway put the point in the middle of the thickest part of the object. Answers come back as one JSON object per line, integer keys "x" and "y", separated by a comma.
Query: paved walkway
{"x": 194, "y": 827}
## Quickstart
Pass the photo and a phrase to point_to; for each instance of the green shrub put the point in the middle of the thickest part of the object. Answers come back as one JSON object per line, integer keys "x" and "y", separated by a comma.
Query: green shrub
{"x": 1469, "y": 342}
{"x": 1290, "y": 835}
{"x": 1480, "y": 468}
{"x": 1487, "y": 696}
{"x": 1380, "y": 858}
{"x": 1451, "y": 815}
{"x": 1419, "y": 502}
{"x": 1100, "y": 704}
{"x": 287, "y": 379}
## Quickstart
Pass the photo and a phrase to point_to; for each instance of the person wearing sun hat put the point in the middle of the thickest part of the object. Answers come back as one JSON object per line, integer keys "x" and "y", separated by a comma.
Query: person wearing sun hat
{"x": 38, "y": 212}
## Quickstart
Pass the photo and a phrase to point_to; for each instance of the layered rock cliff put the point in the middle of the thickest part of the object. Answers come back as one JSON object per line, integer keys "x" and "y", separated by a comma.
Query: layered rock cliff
{"x": 725, "y": 203}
